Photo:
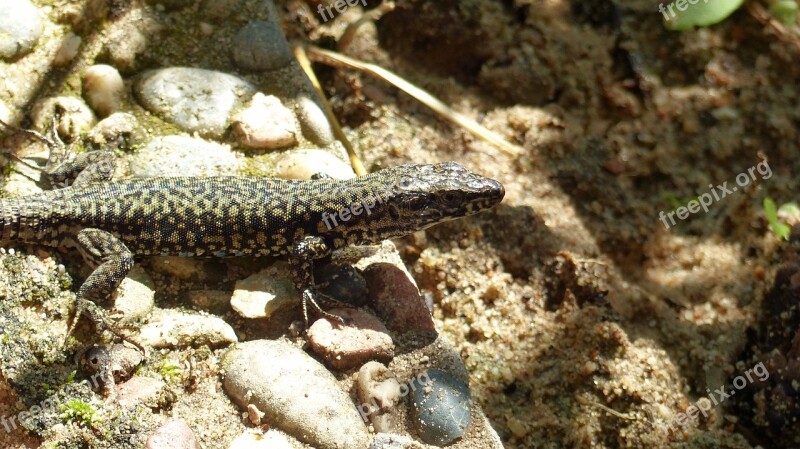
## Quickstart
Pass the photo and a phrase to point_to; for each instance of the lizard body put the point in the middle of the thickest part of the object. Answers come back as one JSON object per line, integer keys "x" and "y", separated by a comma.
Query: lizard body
{"x": 111, "y": 222}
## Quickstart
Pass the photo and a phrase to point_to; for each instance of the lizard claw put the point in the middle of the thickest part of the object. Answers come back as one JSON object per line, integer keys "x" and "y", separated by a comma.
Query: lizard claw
{"x": 310, "y": 297}
{"x": 88, "y": 309}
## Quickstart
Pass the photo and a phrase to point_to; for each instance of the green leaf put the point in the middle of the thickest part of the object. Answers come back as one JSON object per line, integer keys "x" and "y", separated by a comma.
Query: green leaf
{"x": 785, "y": 11}
{"x": 780, "y": 230}
{"x": 685, "y": 14}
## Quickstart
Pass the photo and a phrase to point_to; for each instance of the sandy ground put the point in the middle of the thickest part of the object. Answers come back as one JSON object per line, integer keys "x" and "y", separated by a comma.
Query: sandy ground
{"x": 583, "y": 320}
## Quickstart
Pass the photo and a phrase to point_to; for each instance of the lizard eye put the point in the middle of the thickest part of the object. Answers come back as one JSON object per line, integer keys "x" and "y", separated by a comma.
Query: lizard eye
{"x": 451, "y": 198}
{"x": 394, "y": 212}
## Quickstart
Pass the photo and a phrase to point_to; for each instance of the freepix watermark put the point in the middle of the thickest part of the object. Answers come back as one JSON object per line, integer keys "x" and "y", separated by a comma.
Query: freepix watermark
{"x": 682, "y": 5}
{"x": 340, "y": 6}
{"x": 719, "y": 396}
{"x": 717, "y": 193}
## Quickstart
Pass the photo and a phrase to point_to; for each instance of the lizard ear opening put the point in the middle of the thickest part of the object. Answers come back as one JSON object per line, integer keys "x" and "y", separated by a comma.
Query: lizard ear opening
{"x": 394, "y": 212}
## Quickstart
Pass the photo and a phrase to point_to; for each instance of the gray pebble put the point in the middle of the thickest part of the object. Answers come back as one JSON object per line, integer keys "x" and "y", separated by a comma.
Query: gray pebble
{"x": 441, "y": 409}
{"x": 70, "y": 45}
{"x": 74, "y": 116}
{"x": 178, "y": 329}
{"x": 118, "y": 131}
{"x": 196, "y": 100}
{"x": 296, "y": 393}
{"x": 260, "y": 47}
{"x": 183, "y": 156}
{"x": 20, "y": 28}
{"x": 135, "y": 297}
{"x": 131, "y": 37}
{"x": 313, "y": 122}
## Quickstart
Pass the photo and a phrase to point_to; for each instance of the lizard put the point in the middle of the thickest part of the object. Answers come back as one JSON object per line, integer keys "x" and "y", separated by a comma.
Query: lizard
{"x": 111, "y": 222}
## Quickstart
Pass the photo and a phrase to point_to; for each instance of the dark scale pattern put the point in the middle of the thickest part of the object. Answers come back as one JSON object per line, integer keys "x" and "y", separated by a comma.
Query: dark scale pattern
{"x": 111, "y": 222}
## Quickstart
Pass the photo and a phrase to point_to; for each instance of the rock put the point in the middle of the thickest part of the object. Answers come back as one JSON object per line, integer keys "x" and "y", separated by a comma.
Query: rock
{"x": 302, "y": 164}
{"x": 343, "y": 283}
{"x": 441, "y": 410}
{"x": 119, "y": 130}
{"x": 6, "y": 117}
{"x": 297, "y": 393}
{"x": 313, "y": 122}
{"x": 173, "y": 434}
{"x": 111, "y": 364}
{"x": 214, "y": 301}
{"x": 135, "y": 297}
{"x": 140, "y": 29}
{"x": 344, "y": 347}
{"x": 378, "y": 394}
{"x": 262, "y": 294}
{"x": 196, "y": 100}
{"x": 260, "y": 47}
{"x": 177, "y": 329}
{"x": 74, "y": 116}
{"x": 257, "y": 440}
{"x": 139, "y": 390}
{"x": 394, "y": 294}
{"x": 183, "y": 156}
{"x": 20, "y": 28}
{"x": 390, "y": 441}
{"x": 68, "y": 50}
{"x": 103, "y": 89}
{"x": 266, "y": 124}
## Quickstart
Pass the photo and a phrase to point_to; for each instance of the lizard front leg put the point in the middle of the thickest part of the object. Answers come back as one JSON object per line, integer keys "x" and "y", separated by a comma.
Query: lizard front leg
{"x": 80, "y": 169}
{"x": 111, "y": 262}
{"x": 301, "y": 259}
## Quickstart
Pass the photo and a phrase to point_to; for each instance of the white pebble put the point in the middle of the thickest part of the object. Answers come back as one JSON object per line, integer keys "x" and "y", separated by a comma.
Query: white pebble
{"x": 68, "y": 50}
{"x": 265, "y": 124}
{"x": 302, "y": 164}
{"x": 103, "y": 89}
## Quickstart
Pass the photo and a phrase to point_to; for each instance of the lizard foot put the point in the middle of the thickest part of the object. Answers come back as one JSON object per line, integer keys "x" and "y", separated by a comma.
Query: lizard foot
{"x": 313, "y": 298}
{"x": 90, "y": 310}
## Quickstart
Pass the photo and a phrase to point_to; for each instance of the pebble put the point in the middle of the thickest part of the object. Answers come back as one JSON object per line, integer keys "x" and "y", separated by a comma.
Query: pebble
{"x": 441, "y": 410}
{"x": 183, "y": 156}
{"x": 75, "y": 117}
{"x": 70, "y": 44}
{"x": 390, "y": 441}
{"x": 257, "y": 440}
{"x": 173, "y": 434}
{"x": 131, "y": 37}
{"x": 178, "y": 329}
{"x": 119, "y": 130}
{"x": 113, "y": 364}
{"x": 214, "y": 301}
{"x": 344, "y": 347}
{"x": 5, "y": 116}
{"x": 393, "y": 292}
{"x": 379, "y": 392}
{"x": 313, "y": 122}
{"x": 297, "y": 393}
{"x": 265, "y": 124}
{"x": 261, "y": 46}
{"x": 135, "y": 297}
{"x": 302, "y": 164}
{"x": 196, "y": 100}
{"x": 103, "y": 89}
{"x": 342, "y": 282}
{"x": 20, "y": 28}
{"x": 139, "y": 390}
{"x": 263, "y": 293}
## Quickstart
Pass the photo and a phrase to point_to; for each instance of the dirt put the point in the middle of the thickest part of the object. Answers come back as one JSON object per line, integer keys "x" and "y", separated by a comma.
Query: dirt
{"x": 583, "y": 319}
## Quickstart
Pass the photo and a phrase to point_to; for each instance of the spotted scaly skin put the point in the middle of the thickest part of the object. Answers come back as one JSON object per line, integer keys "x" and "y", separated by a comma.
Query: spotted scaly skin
{"x": 111, "y": 222}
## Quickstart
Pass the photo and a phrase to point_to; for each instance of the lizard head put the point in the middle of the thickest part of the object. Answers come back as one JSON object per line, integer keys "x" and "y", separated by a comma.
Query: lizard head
{"x": 414, "y": 197}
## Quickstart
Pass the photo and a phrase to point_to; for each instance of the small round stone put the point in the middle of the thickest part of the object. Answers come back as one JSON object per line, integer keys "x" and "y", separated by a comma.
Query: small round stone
{"x": 70, "y": 45}
{"x": 260, "y": 47}
{"x": 313, "y": 122}
{"x": 265, "y": 124}
{"x": 196, "y": 100}
{"x": 264, "y": 293}
{"x": 177, "y": 329}
{"x": 183, "y": 156}
{"x": 440, "y": 409}
{"x": 103, "y": 89}
{"x": 303, "y": 164}
{"x": 74, "y": 116}
{"x": 342, "y": 282}
{"x": 20, "y": 28}
{"x": 173, "y": 434}
{"x": 348, "y": 346}
{"x": 119, "y": 130}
